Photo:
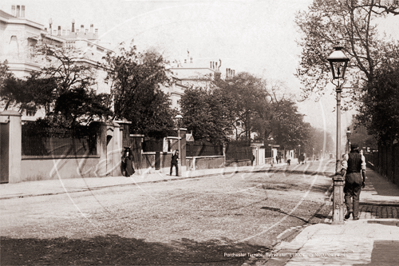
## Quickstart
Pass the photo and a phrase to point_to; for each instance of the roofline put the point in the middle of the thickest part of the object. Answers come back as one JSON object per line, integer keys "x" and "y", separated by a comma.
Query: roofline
{"x": 53, "y": 37}
{"x": 194, "y": 68}
{"x": 15, "y": 20}
{"x": 87, "y": 40}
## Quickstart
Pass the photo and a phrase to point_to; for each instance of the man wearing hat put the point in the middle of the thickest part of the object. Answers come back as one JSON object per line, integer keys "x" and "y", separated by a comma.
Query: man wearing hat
{"x": 354, "y": 170}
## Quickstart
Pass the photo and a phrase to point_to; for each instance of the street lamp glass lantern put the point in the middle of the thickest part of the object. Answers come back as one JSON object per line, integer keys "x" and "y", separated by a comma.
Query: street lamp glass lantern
{"x": 338, "y": 62}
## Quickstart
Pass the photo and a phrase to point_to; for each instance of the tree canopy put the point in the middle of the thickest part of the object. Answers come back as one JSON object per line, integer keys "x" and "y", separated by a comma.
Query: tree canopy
{"x": 246, "y": 96}
{"x": 64, "y": 86}
{"x": 380, "y": 108}
{"x": 135, "y": 80}
{"x": 206, "y": 113}
{"x": 352, "y": 24}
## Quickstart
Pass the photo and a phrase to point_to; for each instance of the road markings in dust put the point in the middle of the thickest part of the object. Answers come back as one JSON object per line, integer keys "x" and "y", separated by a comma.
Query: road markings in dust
{"x": 289, "y": 214}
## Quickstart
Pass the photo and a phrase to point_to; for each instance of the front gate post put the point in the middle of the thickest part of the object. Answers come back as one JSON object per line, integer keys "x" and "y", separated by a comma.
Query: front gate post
{"x": 14, "y": 144}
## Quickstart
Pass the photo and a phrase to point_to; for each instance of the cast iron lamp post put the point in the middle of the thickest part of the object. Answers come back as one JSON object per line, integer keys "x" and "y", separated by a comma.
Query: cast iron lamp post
{"x": 338, "y": 62}
{"x": 179, "y": 118}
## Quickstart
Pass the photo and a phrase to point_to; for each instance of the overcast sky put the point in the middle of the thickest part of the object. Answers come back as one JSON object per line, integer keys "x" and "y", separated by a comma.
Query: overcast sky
{"x": 247, "y": 35}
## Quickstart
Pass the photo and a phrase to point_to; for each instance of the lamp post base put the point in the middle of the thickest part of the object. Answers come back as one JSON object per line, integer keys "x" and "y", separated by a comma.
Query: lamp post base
{"x": 338, "y": 200}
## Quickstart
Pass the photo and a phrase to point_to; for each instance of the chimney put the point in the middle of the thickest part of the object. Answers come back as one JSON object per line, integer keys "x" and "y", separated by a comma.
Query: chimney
{"x": 91, "y": 28}
{"x": 210, "y": 64}
{"x": 63, "y": 32}
{"x": 96, "y": 31}
{"x": 54, "y": 32}
{"x": 191, "y": 60}
{"x": 73, "y": 25}
{"x": 50, "y": 23}
{"x": 59, "y": 31}
{"x": 13, "y": 11}
{"x": 22, "y": 11}
{"x": 82, "y": 28}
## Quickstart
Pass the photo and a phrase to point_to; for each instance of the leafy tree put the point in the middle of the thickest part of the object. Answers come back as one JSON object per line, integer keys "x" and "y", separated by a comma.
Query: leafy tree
{"x": 32, "y": 93}
{"x": 206, "y": 114}
{"x": 5, "y": 76}
{"x": 136, "y": 79}
{"x": 352, "y": 23}
{"x": 64, "y": 85}
{"x": 360, "y": 136}
{"x": 247, "y": 99}
{"x": 380, "y": 109}
{"x": 288, "y": 127}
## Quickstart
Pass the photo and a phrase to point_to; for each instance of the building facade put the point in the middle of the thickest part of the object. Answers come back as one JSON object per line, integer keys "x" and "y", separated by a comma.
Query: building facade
{"x": 20, "y": 36}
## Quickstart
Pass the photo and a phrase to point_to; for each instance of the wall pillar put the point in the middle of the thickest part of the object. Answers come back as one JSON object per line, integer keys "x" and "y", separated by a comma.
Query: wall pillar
{"x": 15, "y": 144}
{"x": 102, "y": 150}
{"x": 183, "y": 132}
{"x": 136, "y": 145}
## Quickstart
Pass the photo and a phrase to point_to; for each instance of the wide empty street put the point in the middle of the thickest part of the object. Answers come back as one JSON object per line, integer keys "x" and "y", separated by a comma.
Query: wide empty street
{"x": 212, "y": 219}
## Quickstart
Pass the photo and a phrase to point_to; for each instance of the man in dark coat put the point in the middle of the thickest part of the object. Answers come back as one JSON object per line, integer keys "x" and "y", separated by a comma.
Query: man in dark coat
{"x": 354, "y": 170}
{"x": 174, "y": 162}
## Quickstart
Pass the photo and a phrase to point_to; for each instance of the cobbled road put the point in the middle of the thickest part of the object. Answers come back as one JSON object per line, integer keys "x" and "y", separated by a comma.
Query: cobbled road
{"x": 214, "y": 220}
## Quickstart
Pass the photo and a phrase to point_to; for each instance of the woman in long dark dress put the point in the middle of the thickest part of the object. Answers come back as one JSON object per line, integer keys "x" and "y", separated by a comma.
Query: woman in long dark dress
{"x": 127, "y": 162}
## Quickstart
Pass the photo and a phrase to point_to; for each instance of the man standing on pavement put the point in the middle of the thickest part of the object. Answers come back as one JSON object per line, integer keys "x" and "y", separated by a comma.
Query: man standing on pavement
{"x": 354, "y": 170}
{"x": 174, "y": 162}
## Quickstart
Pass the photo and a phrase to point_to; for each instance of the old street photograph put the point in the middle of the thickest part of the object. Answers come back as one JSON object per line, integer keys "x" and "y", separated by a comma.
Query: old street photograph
{"x": 199, "y": 132}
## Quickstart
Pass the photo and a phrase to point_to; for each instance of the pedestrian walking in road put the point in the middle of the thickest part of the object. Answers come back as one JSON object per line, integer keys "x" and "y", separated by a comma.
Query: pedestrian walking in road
{"x": 174, "y": 162}
{"x": 354, "y": 170}
{"x": 127, "y": 162}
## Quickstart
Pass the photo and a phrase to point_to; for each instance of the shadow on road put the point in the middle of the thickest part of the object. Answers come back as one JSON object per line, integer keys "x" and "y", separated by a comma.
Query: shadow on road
{"x": 116, "y": 250}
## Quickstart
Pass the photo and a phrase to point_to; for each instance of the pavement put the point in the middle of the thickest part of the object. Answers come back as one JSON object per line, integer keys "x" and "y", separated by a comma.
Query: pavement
{"x": 372, "y": 240}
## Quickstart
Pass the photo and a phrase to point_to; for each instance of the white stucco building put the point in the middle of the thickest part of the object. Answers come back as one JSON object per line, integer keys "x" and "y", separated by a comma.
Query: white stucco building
{"x": 19, "y": 36}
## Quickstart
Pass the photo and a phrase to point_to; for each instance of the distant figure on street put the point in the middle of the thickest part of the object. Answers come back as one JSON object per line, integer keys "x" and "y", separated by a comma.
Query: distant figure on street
{"x": 301, "y": 159}
{"x": 289, "y": 161}
{"x": 354, "y": 171}
{"x": 253, "y": 159}
{"x": 174, "y": 162}
{"x": 278, "y": 159}
{"x": 127, "y": 162}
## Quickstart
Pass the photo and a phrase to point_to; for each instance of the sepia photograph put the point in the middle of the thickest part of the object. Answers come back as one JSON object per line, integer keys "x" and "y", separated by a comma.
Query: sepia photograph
{"x": 199, "y": 132}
